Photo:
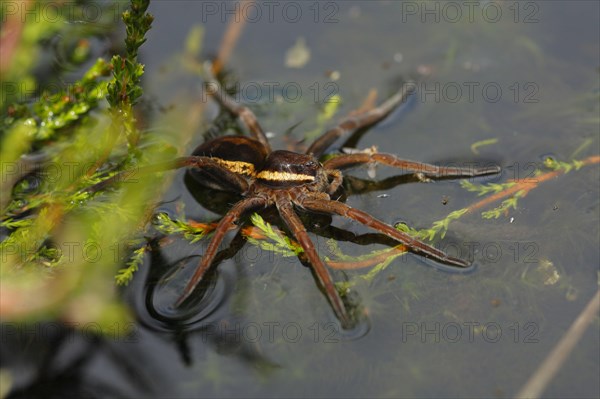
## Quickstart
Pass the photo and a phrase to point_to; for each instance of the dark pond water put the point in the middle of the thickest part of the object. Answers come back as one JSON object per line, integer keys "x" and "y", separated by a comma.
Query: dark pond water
{"x": 525, "y": 74}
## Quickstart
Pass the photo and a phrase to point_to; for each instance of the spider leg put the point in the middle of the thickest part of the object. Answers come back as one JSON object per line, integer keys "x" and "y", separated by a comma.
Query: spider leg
{"x": 225, "y": 224}
{"x": 299, "y": 231}
{"x": 339, "y": 208}
{"x": 355, "y": 185}
{"x": 247, "y": 117}
{"x": 352, "y": 123}
{"x": 418, "y": 168}
{"x": 234, "y": 180}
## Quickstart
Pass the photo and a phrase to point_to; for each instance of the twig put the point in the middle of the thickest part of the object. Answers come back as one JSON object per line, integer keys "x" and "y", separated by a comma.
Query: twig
{"x": 12, "y": 31}
{"x": 232, "y": 34}
{"x": 364, "y": 263}
{"x": 527, "y": 185}
{"x": 368, "y": 104}
{"x": 541, "y": 378}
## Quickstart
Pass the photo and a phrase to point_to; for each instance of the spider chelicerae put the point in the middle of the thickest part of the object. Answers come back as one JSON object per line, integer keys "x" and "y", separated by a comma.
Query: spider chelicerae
{"x": 288, "y": 180}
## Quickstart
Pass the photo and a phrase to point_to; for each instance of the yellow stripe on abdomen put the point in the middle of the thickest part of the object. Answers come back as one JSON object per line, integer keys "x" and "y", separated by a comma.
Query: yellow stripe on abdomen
{"x": 243, "y": 168}
{"x": 284, "y": 176}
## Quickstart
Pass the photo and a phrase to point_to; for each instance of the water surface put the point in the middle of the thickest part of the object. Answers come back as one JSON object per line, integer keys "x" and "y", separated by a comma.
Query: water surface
{"x": 527, "y": 78}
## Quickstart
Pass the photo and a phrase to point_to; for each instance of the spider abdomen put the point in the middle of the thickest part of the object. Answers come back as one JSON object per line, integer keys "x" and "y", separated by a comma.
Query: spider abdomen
{"x": 240, "y": 155}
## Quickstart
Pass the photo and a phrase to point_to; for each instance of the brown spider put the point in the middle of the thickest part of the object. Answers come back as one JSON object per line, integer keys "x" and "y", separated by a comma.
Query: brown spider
{"x": 285, "y": 180}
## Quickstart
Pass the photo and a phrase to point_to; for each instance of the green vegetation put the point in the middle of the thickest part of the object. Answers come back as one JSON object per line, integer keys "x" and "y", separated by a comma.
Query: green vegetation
{"x": 64, "y": 242}
{"x": 276, "y": 241}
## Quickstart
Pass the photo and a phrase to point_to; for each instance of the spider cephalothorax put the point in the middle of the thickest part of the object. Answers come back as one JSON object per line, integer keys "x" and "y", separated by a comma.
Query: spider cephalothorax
{"x": 283, "y": 169}
{"x": 289, "y": 180}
